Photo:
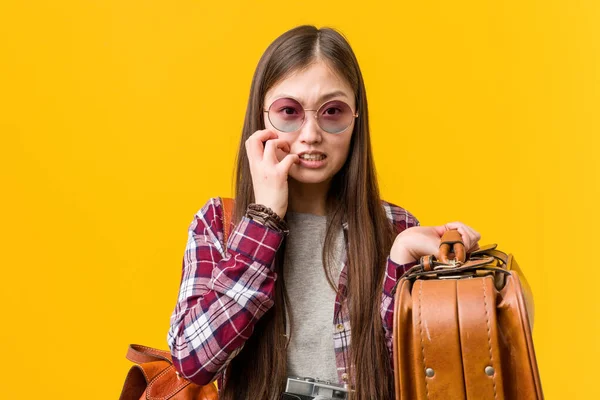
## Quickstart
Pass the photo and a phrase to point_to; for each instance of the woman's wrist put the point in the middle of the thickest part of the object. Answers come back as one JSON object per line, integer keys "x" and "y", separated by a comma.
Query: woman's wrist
{"x": 400, "y": 254}
{"x": 266, "y": 216}
{"x": 403, "y": 258}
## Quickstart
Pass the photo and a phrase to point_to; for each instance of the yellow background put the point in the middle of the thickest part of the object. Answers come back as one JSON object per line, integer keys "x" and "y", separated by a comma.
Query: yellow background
{"x": 119, "y": 119}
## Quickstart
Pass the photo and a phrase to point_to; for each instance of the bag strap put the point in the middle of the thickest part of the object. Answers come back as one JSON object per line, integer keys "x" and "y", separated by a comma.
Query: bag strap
{"x": 145, "y": 377}
{"x": 142, "y": 354}
{"x": 480, "y": 338}
{"x": 436, "y": 333}
{"x": 228, "y": 204}
{"x": 452, "y": 243}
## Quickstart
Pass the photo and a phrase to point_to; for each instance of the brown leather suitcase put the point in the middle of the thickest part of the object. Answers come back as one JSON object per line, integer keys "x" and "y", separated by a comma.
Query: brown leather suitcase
{"x": 462, "y": 328}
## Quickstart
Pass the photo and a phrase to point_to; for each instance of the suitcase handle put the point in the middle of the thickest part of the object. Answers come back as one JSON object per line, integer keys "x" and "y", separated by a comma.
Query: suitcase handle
{"x": 452, "y": 244}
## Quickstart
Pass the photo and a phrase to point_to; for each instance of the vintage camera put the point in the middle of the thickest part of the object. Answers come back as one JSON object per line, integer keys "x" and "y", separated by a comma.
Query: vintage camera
{"x": 309, "y": 388}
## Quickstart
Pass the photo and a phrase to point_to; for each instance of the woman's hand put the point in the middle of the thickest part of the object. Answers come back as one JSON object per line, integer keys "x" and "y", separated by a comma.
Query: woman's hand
{"x": 269, "y": 174}
{"x": 413, "y": 243}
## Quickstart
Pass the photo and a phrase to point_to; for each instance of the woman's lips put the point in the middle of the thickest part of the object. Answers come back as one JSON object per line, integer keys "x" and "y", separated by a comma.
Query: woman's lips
{"x": 313, "y": 164}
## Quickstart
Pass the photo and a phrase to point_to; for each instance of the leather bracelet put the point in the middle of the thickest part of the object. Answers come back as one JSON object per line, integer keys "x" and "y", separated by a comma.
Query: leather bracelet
{"x": 264, "y": 215}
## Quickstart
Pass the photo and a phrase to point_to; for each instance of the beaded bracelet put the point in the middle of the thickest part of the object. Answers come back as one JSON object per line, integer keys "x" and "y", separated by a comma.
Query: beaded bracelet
{"x": 267, "y": 217}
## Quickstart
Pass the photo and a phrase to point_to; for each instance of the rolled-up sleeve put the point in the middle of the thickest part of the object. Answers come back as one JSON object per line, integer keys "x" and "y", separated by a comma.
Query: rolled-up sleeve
{"x": 224, "y": 291}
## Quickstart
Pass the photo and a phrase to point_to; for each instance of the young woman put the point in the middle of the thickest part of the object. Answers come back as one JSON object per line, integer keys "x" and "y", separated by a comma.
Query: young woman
{"x": 303, "y": 287}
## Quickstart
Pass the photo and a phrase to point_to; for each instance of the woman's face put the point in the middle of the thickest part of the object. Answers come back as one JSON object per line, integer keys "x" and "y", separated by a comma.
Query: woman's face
{"x": 312, "y": 87}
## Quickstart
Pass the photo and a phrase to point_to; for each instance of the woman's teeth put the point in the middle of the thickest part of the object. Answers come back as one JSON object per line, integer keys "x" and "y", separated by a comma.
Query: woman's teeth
{"x": 313, "y": 157}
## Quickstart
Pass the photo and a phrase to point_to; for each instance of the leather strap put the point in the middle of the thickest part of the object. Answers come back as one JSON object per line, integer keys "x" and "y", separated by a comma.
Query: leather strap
{"x": 155, "y": 376}
{"x": 496, "y": 254}
{"x": 478, "y": 324}
{"x": 228, "y": 204}
{"x": 151, "y": 365}
{"x": 485, "y": 248}
{"x": 427, "y": 262}
{"x": 452, "y": 243}
{"x": 456, "y": 340}
{"x": 436, "y": 341}
{"x": 228, "y": 207}
{"x": 143, "y": 354}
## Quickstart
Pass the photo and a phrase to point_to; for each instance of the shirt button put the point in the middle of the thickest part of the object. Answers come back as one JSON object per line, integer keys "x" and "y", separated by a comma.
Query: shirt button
{"x": 340, "y": 327}
{"x": 345, "y": 377}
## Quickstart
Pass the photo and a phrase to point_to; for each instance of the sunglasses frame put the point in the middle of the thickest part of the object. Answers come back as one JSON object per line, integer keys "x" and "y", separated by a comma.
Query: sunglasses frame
{"x": 354, "y": 115}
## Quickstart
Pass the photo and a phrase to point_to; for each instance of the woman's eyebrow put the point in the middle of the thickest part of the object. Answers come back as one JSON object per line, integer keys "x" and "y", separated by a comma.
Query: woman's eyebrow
{"x": 322, "y": 99}
{"x": 333, "y": 94}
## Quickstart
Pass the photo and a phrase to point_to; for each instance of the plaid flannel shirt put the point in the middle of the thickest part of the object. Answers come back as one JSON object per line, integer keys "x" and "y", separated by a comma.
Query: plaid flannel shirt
{"x": 225, "y": 291}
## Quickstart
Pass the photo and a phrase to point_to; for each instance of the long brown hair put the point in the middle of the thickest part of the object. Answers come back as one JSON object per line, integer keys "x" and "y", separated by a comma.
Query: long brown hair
{"x": 259, "y": 370}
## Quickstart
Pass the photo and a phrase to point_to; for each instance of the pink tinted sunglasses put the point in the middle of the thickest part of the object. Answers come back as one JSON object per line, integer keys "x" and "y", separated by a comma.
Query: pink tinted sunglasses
{"x": 288, "y": 115}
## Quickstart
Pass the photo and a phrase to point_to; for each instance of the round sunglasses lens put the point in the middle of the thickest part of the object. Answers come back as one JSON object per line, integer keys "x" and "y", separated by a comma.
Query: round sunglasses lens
{"x": 286, "y": 115}
{"x": 335, "y": 116}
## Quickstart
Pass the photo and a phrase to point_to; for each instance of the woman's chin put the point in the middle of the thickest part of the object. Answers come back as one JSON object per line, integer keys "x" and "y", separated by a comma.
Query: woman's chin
{"x": 310, "y": 176}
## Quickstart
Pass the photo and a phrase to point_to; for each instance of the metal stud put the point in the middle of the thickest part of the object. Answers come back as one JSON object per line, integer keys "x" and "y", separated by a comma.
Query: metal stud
{"x": 345, "y": 377}
{"x": 429, "y": 372}
{"x": 489, "y": 370}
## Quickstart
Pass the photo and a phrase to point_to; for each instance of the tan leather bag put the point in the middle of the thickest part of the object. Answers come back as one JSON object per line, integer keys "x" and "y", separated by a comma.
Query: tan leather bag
{"x": 154, "y": 377}
{"x": 462, "y": 328}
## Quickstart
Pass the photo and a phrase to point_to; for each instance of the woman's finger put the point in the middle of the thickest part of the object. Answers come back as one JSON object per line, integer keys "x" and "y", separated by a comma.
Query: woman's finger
{"x": 466, "y": 235}
{"x": 255, "y": 143}
{"x": 288, "y": 161}
{"x": 440, "y": 230}
{"x": 469, "y": 236}
{"x": 474, "y": 234}
{"x": 475, "y": 237}
{"x": 270, "y": 149}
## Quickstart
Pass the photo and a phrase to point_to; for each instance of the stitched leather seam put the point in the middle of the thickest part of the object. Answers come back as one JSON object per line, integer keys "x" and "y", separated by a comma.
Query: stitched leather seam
{"x": 487, "y": 320}
{"x": 421, "y": 330}
{"x": 168, "y": 396}
{"x": 153, "y": 351}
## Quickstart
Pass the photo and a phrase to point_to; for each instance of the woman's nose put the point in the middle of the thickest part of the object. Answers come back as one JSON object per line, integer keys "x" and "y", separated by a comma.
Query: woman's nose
{"x": 310, "y": 131}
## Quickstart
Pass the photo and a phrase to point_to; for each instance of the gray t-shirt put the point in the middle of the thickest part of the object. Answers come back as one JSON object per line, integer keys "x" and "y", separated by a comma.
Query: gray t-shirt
{"x": 312, "y": 300}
